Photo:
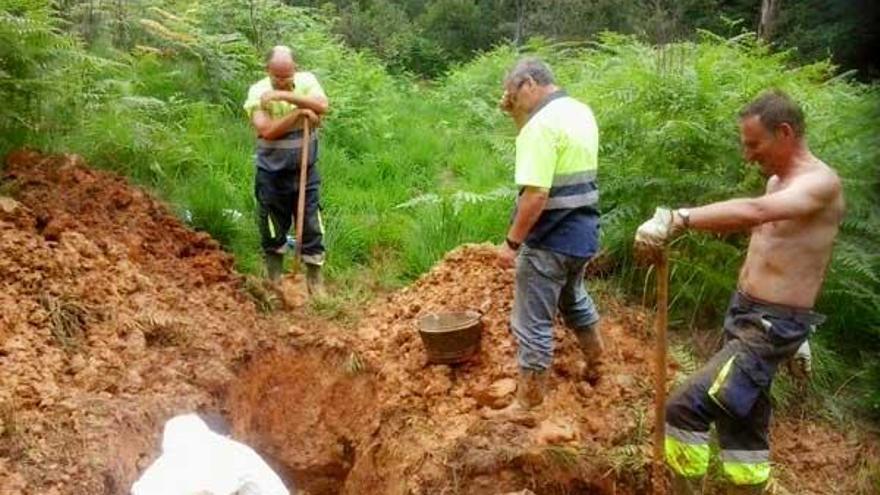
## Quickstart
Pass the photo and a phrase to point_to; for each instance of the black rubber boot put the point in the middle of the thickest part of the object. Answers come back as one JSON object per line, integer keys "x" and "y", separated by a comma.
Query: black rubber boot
{"x": 315, "y": 280}
{"x": 274, "y": 266}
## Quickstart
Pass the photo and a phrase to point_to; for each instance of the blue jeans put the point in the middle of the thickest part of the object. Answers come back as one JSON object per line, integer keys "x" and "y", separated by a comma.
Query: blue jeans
{"x": 546, "y": 282}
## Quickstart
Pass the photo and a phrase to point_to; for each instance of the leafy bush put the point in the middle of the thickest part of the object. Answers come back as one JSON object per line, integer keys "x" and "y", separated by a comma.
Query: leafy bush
{"x": 39, "y": 67}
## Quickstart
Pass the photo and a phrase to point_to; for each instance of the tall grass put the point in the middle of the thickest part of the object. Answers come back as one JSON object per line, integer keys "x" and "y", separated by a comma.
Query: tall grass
{"x": 413, "y": 169}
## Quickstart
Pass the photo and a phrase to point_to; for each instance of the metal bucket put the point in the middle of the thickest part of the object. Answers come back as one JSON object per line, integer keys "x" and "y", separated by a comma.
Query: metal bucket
{"x": 451, "y": 337}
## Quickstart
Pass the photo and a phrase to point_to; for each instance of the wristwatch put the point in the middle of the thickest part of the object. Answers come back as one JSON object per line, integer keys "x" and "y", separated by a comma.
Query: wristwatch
{"x": 513, "y": 244}
{"x": 685, "y": 215}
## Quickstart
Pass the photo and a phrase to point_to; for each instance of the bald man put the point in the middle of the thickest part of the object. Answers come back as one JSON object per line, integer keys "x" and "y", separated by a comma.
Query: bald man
{"x": 278, "y": 106}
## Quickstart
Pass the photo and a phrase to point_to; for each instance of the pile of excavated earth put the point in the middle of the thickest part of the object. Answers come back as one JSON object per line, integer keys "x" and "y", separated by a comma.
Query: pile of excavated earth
{"x": 117, "y": 317}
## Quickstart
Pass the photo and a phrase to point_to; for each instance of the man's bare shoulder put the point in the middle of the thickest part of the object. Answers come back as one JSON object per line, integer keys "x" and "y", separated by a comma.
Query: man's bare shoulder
{"x": 820, "y": 180}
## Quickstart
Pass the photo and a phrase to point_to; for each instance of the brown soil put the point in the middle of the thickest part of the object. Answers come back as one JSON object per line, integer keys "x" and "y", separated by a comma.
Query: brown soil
{"x": 116, "y": 317}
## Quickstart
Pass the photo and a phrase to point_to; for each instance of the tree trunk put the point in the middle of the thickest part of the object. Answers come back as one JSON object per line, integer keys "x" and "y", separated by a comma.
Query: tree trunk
{"x": 258, "y": 36}
{"x": 769, "y": 16}
{"x": 520, "y": 21}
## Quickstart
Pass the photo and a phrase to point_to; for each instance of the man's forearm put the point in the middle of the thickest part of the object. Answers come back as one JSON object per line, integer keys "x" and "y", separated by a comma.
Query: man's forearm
{"x": 725, "y": 216}
{"x": 316, "y": 105}
{"x": 281, "y": 126}
{"x": 531, "y": 205}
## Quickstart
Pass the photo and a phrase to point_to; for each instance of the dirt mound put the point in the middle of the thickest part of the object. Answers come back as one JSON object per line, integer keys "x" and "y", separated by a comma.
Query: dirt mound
{"x": 813, "y": 458}
{"x": 115, "y": 317}
{"x": 583, "y": 431}
{"x": 431, "y": 436}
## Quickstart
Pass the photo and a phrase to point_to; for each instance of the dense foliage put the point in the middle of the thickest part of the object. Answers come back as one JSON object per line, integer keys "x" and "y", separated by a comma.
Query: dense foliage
{"x": 153, "y": 89}
{"x": 427, "y": 36}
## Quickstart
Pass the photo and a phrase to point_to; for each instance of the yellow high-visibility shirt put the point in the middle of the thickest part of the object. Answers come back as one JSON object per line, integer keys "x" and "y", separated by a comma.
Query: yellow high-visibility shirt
{"x": 304, "y": 84}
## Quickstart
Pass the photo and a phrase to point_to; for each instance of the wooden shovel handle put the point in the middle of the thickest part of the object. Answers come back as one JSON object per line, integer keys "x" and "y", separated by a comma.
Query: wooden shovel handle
{"x": 660, "y": 323}
{"x": 301, "y": 197}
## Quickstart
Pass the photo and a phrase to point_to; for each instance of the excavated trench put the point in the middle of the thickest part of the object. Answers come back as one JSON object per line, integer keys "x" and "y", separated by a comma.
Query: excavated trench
{"x": 307, "y": 412}
{"x": 316, "y": 417}
{"x": 363, "y": 411}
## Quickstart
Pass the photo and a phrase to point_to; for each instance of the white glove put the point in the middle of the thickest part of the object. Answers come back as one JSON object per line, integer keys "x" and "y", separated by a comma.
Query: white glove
{"x": 657, "y": 231}
{"x": 801, "y": 364}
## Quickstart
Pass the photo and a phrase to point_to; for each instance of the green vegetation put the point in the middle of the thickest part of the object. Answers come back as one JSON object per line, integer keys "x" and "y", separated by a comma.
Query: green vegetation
{"x": 427, "y": 37}
{"x": 152, "y": 89}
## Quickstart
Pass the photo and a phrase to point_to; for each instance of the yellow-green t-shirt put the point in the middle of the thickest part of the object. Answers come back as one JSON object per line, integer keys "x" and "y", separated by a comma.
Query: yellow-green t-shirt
{"x": 305, "y": 84}
{"x": 560, "y": 139}
{"x": 557, "y": 149}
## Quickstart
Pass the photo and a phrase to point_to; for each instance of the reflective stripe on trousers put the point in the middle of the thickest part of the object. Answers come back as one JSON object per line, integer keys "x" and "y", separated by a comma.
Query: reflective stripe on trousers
{"x": 687, "y": 452}
{"x": 746, "y": 467}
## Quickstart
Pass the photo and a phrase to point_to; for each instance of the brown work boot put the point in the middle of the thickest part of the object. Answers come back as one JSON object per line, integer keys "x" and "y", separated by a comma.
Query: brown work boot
{"x": 530, "y": 388}
{"x": 315, "y": 280}
{"x": 686, "y": 486}
{"x": 590, "y": 341}
{"x": 535, "y": 386}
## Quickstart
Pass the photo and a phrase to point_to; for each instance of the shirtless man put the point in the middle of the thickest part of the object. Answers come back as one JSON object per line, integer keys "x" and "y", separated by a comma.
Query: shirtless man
{"x": 793, "y": 227}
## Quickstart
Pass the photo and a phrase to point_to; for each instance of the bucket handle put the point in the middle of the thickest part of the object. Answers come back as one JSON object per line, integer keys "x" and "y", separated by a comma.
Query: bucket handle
{"x": 483, "y": 308}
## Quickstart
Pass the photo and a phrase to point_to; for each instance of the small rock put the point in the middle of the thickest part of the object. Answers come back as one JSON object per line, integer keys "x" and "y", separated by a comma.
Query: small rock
{"x": 8, "y": 205}
{"x": 294, "y": 331}
{"x": 625, "y": 380}
{"x": 77, "y": 363}
{"x": 497, "y": 394}
{"x": 414, "y": 309}
{"x": 439, "y": 384}
{"x": 585, "y": 389}
{"x": 135, "y": 341}
{"x": 553, "y": 431}
{"x": 133, "y": 380}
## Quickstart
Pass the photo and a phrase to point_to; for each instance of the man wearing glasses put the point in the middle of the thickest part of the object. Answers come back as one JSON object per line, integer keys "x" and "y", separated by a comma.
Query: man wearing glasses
{"x": 555, "y": 227}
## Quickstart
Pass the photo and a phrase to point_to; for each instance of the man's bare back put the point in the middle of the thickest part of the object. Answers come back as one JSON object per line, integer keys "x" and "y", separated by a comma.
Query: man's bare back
{"x": 787, "y": 258}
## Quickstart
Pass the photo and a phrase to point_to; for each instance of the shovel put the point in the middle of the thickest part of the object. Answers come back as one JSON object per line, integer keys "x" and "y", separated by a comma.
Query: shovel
{"x": 301, "y": 197}
{"x": 660, "y": 323}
